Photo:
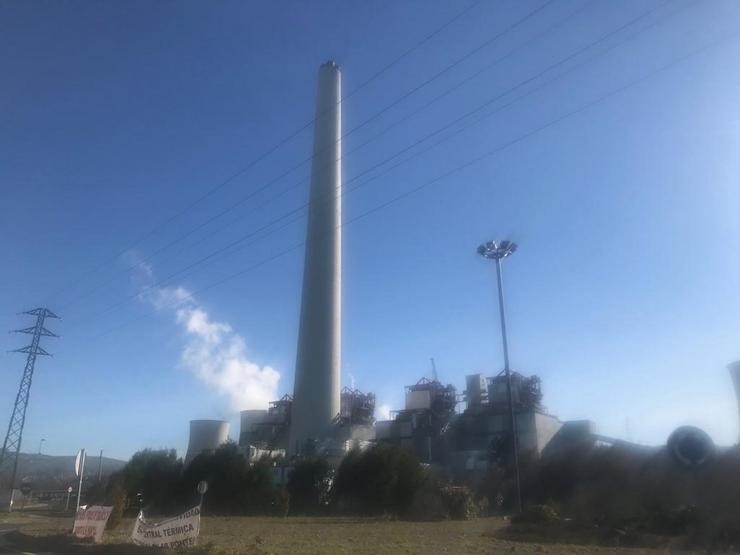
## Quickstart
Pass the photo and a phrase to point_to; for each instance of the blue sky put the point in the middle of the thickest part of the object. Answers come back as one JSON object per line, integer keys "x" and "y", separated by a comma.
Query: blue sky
{"x": 622, "y": 297}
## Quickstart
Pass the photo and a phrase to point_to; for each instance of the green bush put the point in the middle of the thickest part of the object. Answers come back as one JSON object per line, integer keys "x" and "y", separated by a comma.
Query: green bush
{"x": 383, "y": 479}
{"x": 225, "y": 470}
{"x": 459, "y": 503}
{"x": 427, "y": 504}
{"x": 262, "y": 497}
{"x": 537, "y": 514}
{"x": 156, "y": 475}
{"x": 672, "y": 522}
{"x": 309, "y": 486}
{"x": 234, "y": 487}
{"x": 117, "y": 498}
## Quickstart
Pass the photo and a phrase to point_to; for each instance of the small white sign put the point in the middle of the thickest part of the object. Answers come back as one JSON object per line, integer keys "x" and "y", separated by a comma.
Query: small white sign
{"x": 78, "y": 462}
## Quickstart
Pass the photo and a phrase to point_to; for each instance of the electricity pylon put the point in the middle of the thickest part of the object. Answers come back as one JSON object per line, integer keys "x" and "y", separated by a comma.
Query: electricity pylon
{"x": 12, "y": 444}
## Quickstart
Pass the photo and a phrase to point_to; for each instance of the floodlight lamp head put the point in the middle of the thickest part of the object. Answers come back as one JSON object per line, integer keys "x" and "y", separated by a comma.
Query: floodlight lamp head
{"x": 497, "y": 251}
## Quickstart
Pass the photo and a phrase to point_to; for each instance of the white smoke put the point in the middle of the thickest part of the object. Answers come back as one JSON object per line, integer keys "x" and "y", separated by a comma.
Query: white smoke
{"x": 383, "y": 412}
{"x": 214, "y": 352}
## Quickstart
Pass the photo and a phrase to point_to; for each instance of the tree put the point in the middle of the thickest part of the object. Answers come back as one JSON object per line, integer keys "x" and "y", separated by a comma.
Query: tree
{"x": 155, "y": 474}
{"x": 383, "y": 479}
{"x": 225, "y": 470}
{"x": 261, "y": 495}
{"x": 234, "y": 487}
{"x": 309, "y": 485}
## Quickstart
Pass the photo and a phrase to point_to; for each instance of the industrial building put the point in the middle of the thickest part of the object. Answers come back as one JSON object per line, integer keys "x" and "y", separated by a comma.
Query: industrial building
{"x": 441, "y": 426}
{"x": 322, "y": 419}
{"x": 486, "y": 419}
{"x": 459, "y": 432}
{"x": 469, "y": 431}
{"x": 266, "y": 432}
{"x": 356, "y": 408}
{"x": 482, "y": 431}
{"x": 424, "y": 423}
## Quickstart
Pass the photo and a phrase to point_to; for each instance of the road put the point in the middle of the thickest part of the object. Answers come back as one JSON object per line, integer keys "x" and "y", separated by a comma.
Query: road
{"x": 7, "y": 548}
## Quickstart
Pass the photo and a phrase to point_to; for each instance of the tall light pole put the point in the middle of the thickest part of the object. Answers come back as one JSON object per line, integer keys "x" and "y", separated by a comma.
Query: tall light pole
{"x": 498, "y": 251}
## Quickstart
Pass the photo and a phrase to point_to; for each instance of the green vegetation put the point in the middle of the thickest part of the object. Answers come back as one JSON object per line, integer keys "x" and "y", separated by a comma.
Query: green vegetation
{"x": 309, "y": 487}
{"x": 156, "y": 474}
{"x": 537, "y": 514}
{"x": 381, "y": 480}
{"x": 590, "y": 495}
{"x": 625, "y": 496}
{"x": 234, "y": 487}
{"x": 158, "y": 481}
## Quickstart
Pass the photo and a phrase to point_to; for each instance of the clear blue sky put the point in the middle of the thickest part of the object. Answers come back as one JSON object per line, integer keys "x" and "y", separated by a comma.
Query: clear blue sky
{"x": 623, "y": 296}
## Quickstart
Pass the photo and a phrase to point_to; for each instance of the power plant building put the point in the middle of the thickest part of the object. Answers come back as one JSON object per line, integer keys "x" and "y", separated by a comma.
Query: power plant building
{"x": 321, "y": 419}
{"x": 462, "y": 432}
{"x": 267, "y": 430}
{"x": 486, "y": 419}
{"x": 424, "y": 423}
{"x": 433, "y": 427}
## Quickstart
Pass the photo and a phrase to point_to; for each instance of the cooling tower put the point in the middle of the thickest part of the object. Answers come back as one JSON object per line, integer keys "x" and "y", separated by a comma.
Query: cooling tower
{"x": 206, "y": 435}
{"x": 316, "y": 388}
{"x": 734, "y": 369}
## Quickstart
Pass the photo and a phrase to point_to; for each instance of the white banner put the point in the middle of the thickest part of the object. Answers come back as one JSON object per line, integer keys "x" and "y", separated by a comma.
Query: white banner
{"x": 90, "y": 522}
{"x": 180, "y": 531}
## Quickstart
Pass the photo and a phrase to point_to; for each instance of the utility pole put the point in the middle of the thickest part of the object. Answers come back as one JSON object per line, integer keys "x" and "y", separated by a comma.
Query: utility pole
{"x": 499, "y": 251}
{"x": 12, "y": 443}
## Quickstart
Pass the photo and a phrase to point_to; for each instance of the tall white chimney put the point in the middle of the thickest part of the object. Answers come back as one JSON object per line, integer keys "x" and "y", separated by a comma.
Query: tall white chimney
{"x": 734, "y": 369}
{"x": 316, "y": 389}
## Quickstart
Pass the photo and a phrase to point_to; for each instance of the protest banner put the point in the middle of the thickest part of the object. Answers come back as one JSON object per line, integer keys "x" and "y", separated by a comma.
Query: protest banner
{"x": 90, "y": 522}
{"x": 176, "y": 532}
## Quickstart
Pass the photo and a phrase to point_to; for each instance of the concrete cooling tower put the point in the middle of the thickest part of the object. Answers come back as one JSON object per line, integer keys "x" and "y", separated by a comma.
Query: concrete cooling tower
{"x": 316, "y": 389}
{"x": 206, "y": 436}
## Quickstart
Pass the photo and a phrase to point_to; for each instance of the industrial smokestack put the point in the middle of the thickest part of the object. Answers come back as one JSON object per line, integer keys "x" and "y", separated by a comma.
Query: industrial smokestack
{"x": 734, "y": 369}
{"x": 316, "y": 389}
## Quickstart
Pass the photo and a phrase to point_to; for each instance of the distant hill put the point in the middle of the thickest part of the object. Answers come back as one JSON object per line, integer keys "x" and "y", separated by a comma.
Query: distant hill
{"x": 56, "y": 472}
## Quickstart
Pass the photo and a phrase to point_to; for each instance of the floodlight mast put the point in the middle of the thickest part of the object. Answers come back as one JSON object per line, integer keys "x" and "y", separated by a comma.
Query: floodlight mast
{"x": 498, "y": 251}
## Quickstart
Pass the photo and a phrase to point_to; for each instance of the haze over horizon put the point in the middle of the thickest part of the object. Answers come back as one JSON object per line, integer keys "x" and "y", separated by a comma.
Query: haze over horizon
{"x": 605, "y": 145}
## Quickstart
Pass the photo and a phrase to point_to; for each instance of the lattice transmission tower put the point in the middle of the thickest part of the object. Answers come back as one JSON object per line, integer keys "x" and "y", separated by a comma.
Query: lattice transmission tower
{"x": 12, "y": 444}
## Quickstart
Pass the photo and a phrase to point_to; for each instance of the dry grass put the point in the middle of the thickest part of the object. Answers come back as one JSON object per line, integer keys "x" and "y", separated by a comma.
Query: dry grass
{"x": 324, "y": 535}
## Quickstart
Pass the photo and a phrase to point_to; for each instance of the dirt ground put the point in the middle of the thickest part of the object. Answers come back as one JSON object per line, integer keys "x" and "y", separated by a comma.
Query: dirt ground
{"x": 320, "y": 535}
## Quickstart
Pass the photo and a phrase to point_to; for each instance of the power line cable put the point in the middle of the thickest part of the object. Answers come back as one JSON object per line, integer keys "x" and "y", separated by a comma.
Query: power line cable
{"x": 449, "y": 125}
{"x": 360, "y": 146}
{"x": 273, "y": 148}
{"x": 210, "y": 256}
{"x": 241, "y": 201}
{"x": 457, "y": 169}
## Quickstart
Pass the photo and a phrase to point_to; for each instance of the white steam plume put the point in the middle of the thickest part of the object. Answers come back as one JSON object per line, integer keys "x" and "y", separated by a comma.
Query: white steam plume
{"x": 383, "y": 412}
{"x": 214, "y": 352}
